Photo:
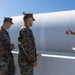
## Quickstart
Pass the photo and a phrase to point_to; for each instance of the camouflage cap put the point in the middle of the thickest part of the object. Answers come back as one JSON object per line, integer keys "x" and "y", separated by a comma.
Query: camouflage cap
{"x": 7, "y": 19}
{"x": 28, "y": 15}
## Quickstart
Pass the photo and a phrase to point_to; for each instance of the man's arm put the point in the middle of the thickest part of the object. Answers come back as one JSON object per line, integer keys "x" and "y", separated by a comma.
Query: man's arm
{"x": 28, "y": 45}
{"x": 69, "y": 32}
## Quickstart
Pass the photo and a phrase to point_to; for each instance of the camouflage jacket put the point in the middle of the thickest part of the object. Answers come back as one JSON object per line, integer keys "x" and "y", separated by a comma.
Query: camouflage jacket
{"x": 5, "y": 49}
{"x": 26, "y": 43}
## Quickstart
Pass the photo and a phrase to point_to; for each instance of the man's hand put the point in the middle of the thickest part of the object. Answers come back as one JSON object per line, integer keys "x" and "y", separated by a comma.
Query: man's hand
{"x": 12, "y": 46}
{"x": 35, "y": 64}
{"x": 38, "y": 54}
{"x": 68, "y": 32}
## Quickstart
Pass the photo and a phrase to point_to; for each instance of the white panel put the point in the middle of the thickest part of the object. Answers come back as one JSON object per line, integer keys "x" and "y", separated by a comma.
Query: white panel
{"x": 64, "y": 64}
{"x": 49, "y": 31}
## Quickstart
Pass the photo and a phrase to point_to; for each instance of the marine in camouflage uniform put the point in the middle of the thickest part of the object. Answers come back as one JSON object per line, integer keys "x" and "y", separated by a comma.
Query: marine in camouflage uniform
{"x": 7, "y": 66}
{"x": 27, "y": 50}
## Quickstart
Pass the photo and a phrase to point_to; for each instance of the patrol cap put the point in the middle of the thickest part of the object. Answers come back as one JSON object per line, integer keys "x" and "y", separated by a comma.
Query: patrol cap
{"x": 7, "y": 19}
{"x": 28, "y": 15}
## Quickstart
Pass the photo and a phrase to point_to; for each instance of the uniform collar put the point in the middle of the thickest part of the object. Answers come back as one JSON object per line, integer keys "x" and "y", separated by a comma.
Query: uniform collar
{"x": 4, "y": 30}
{"x": 24, "y": 26}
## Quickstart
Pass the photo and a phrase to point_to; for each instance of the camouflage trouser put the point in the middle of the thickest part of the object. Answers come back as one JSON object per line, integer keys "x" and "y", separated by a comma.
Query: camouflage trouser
{"x": 11, "y": 67}
{"x": 25, "y": 69}
{"x": 7, "y": 67}
{"x": 3, "y": 68}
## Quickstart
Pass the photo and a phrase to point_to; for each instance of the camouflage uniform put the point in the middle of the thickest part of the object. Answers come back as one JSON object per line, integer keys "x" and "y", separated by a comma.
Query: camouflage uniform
{"x": 6, "y": 58}
{"x": 27, "y": 51}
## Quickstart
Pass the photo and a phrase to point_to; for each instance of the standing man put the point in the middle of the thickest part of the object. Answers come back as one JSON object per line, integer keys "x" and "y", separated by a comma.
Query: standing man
{"x": 6, "y": 58}
{"x": 27, "y": 49}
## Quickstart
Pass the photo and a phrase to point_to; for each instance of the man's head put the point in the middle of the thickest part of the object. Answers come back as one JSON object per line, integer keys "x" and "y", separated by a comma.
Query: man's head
{"x": 7, "y": 22}
{"x": 28, "y": 19}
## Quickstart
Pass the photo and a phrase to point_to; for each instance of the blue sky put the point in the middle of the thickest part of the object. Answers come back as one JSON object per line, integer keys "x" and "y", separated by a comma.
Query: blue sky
{"x": 10, "y": 8}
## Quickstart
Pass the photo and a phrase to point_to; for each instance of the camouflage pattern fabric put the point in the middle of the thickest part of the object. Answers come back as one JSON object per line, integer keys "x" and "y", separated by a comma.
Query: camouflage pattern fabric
{"x": 26, "y": 69}
{"x": 7, "y": 66}
{"x": 27, "y": 51}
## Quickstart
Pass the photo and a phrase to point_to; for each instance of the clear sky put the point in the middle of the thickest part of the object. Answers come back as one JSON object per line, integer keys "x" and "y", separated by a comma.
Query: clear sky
{"x": 10, "y": 8}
